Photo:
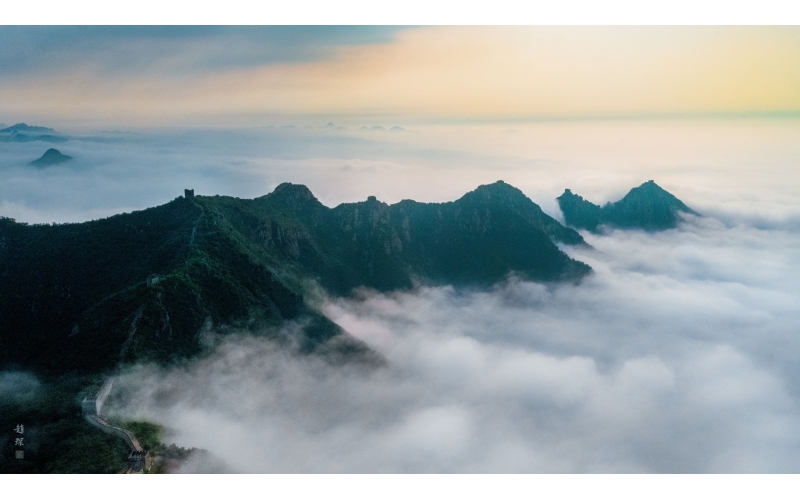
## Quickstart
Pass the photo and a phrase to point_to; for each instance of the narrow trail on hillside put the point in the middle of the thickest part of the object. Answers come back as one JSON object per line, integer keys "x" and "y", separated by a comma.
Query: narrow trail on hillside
{"x": 139, "y": 460}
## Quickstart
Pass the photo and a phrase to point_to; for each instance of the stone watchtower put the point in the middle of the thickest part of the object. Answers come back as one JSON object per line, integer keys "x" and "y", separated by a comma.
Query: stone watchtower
{"x": 188, "y": 193}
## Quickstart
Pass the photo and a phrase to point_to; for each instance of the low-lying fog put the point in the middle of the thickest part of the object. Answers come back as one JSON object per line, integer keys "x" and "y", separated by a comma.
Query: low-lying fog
{"x": 679, "y": 354}
{"x": 734, "y": 169}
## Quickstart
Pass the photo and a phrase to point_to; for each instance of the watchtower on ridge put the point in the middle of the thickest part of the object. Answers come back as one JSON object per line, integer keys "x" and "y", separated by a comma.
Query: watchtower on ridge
{"x": 188, "y": 193}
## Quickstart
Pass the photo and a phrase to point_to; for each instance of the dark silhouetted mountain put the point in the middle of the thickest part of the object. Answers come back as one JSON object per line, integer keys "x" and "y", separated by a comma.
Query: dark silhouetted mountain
{"x": 17, "y": 137}
{"x": 647, "y": 207}
{"x": 27, "y": 133}
{"x": 579, "y": 212}
{"x": 23, "y": 127}
{"x": 145, "y": 285}
{"x": 50, "y": 157}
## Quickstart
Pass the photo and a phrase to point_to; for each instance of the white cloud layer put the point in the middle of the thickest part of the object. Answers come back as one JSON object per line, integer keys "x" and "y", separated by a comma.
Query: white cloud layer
{"x": 678, "y": 355}
{"x": 733, "y": 170}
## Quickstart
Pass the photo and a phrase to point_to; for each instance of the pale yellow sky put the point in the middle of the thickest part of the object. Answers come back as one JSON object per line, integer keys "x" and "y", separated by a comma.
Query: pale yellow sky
{"x": 448, "y": 73}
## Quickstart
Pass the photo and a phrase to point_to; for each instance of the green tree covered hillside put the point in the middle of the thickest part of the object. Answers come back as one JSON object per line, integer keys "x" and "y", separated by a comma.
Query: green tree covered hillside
{"x": 144, "y": 285}
{"x": 647, "y": 207}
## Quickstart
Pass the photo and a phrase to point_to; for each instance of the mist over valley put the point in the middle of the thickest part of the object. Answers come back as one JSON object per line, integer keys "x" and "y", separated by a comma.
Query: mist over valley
{"x": 677, "y": 352}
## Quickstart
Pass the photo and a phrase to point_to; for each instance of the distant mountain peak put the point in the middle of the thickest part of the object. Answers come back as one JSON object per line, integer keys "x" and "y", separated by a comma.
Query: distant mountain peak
{"x": 24, "y": 127}
{"x": 295, "y": 190}
{"x": 22, "y": 132}
{"x": 498, "y": 188}
{"x": 651, "y": 187}
{"x": 50, "y": 157}
{"x": 294, "y": 196}
{"x": 648, "y": 206}
{"x": 651, "y": 195}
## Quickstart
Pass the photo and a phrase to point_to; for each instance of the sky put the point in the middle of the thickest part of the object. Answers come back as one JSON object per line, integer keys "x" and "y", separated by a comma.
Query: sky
{"x": 161, "y": 75}
{"x": 731, "y": 168}
{"x": 679, "y": 354}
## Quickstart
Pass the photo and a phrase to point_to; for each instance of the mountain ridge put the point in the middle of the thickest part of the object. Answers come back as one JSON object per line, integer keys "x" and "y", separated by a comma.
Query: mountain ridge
{"x": 24, "y": 127}
{"x": 144, "y": 285}
{"x": 648, "y": 207}
{"x": 22, "y": 132}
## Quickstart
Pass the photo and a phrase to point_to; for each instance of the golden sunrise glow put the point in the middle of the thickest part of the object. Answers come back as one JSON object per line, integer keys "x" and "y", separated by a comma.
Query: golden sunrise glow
{"x": 463, "y": 72}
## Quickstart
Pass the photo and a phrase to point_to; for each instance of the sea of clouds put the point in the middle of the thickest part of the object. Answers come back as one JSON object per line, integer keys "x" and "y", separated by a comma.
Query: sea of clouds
{"x": 678, "y": 354}
{"x": 735, "y": 170}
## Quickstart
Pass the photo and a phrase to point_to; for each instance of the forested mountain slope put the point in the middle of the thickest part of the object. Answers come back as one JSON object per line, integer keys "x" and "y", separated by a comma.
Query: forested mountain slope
{"x": 141, "y": 286}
